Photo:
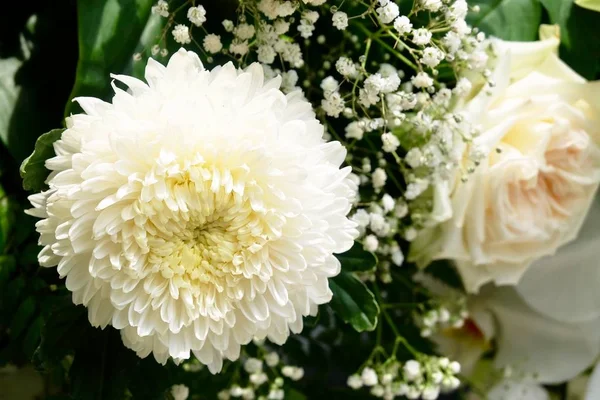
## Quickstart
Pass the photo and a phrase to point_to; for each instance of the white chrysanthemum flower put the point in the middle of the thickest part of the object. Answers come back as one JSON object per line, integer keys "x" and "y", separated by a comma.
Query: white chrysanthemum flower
{"x": 196, "y": 212}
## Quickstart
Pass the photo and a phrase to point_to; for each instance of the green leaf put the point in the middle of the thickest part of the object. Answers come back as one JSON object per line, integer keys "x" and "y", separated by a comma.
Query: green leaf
{"x": 7, "y": 220}
{"x": 516, "y": 20}
{"x": 32, "y": 338}
{"x": 579, "y": 35}
{"x": 7, "y": 266}
{"x": 32, "y": 102}
{"x": 110, "y": 33}
{"x": 293, "y": 394}
{"x": 33, "y": 169}
{"x": 153, "y": 28}
{"x": 62, "y": 332}
{"x": 101, "y": 368}
{"x": 9, "y": 92}
{"x": 21, "y": 317}
{"x": 353, "y": 302}
{"x": 11, "y": 295}
{"x": 357, "y": 259}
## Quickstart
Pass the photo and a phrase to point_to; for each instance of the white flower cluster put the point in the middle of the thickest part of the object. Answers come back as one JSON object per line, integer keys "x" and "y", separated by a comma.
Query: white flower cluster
{"x": 258, "y": 382}
{"x": 446, "y": 309}
{"x": 180, "y": 392}
{"x": 449, "y": 315}
{"x": 424, "y": 379}
{"x": 408, "y": 118}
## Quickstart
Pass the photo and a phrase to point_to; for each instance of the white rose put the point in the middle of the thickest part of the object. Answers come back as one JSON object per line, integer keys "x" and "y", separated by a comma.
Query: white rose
{"x": 536, "y": 182}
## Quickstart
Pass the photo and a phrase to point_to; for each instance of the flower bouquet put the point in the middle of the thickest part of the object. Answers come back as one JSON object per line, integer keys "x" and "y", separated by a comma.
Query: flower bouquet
{"x": 300, "y": 199}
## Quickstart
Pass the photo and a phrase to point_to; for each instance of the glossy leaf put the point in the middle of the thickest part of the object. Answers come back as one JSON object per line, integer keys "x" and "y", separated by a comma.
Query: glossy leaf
{"x": 353, "y": 302}
{"x": 37, "y": 69}
{"x": 357, "y": 259}
{"x": 7, "y": 266}
{"x": 110, "y": 33}
{"x": 33, "y": 169}
{"x": 9, "y": 92}
{"x": 579, "y": 35}
{"x": 7, "y": 219}
{"x": 516, "y": 20}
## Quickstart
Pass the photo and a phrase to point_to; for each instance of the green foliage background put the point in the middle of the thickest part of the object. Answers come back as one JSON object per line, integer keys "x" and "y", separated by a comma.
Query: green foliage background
{"x": 52, "y": 51}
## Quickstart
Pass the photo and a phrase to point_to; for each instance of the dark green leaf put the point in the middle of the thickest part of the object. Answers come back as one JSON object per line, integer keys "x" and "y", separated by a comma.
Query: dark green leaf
{"x": 110, "y": 33}
{"x": 102, "y": 367}
{"x": 11, "y": 295}
{"x": 31, "y": 101}
{"x": 357, "y": 259}
{"x": 62, "y": 332}
{"x": 517, "y": 20}
{"x": 33, "y": 169}
{"x": 149, "y": 36}
{"x": 21, "y": 317}
{"x": 32, "y": 338}
{"x": 9, "y": 92}
{"x": 579, "y": 35}
{"x": 7, "y": 266}
{"x": 293, "y": 394}
{"x": 353, "y": 302}
{"x": 7, "y": 219}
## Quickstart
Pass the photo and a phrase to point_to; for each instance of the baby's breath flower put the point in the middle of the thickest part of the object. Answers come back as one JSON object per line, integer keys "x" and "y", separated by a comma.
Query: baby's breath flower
{"x": 180, "y": 392}
{"x": 161, "y": 8}
{"x": 212, "y": 43}
{"x": 371, "y": 244}
{"x": 355, "y": 382}
{"x": 432, "y": 57}
{"x": 258, "y": 378}
{"x": 422, "y": 80}
{"x": 238, "y": 47}
{"x": 340, "y": 20}
{"x": 421, "y": 36}
{"x": 346, "y": 67}
{"x": 228, "y": 25}
{"x": 266, "y": 54}
{"x": 181, "y": 34}
{"x": 329, "y": 84}
{"x": 390, "y": 142}
{"x": 388, "y": 11}
{"x": 197, "y": 15}
{"x": 294, "y": 373}
{"x": 289, "y": 79}
{"x": 377, "y": 391}
{"x": 379, "y": 178}
{"x": 403, "y": 25}
{"x": 431, "y": 5}
{"x": 369, "y": 376}
{"x": 333, "y": 104}
{"x": 272, "y": 359}
{"x": 244, "y": 31}
{"x": 253, "y": 365}
{"x": 281, "y": 26}
{"x": 412, "y": 370}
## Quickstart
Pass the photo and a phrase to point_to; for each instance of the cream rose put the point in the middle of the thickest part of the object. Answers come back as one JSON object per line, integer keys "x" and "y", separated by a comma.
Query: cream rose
{"x": 539, "y": 132}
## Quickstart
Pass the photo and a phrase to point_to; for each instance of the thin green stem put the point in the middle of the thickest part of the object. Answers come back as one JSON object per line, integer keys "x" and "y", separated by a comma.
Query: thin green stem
{"x": 378, "y": 39}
